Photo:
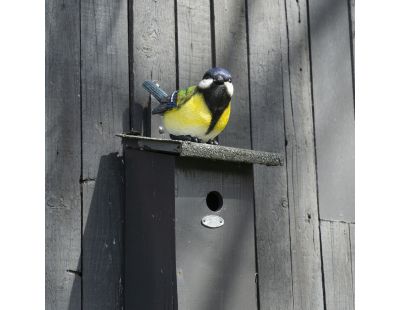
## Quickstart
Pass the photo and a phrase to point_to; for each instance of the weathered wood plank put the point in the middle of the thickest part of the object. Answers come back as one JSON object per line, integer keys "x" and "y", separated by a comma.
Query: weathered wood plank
{"x": 63, "y": 202}
{"x": 231, "y": 53}
{"x": 353, "y": 254}
{"x": 105, "y": 89}
{"x": 153, "y": 56}
{"x": 333, "y": 107}
{"x": 194, "y": 40}
{"x": 353, "y": 29}
{"x": 336, "y": 252}
{"x": 301, "y": 171}
{"x": 105, "y": 112}
{"x": 102, "y": 260}
{"x": 268, "y": 133}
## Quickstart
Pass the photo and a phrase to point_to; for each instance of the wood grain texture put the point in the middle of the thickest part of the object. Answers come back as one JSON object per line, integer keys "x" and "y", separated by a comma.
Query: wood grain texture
{"x": 268, "y": 133}
{"x": 353, "y": 255}
{"x": 353, "y": 29}
{"x": 333, "y": 107}
{"x": 153, "y": 56}
{"x": 337, "y": 260}
{"x": 105, "y": 112}
{"x": 275, "y": 107}
{"x": 215, "y": 267}
{"x": 194, "y": 40}
{"x": 231, "y": 53}
{"x": 63, "y": 201}
{"x": 300, "y": 160}
{"x": 105, "y": 89}
{"x": 102, "y": 254}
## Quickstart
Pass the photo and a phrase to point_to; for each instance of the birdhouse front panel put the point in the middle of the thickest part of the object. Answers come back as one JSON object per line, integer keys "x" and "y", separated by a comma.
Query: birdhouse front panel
{"x": 214, "y": 235}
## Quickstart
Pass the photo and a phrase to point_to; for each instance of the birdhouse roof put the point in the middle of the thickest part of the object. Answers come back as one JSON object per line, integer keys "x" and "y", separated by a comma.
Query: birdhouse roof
{"x": 202, "y": 150}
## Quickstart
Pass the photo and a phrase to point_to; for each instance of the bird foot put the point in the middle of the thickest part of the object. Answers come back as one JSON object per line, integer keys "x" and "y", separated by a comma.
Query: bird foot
{"x": 213, "y": 142}
{"x": 186, "y": 138}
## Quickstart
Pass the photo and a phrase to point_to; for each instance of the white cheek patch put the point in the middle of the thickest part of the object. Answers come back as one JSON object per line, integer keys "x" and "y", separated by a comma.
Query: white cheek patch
{"x": 205, "y": 83}
{"x": 229, "y": 88}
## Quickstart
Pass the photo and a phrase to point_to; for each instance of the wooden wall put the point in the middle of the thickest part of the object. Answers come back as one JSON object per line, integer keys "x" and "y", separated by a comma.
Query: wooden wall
{"x": 292, "y": 65}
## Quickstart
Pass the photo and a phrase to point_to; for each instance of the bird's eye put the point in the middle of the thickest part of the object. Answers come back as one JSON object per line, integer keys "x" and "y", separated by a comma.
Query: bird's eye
{"x": 230, "y": 80}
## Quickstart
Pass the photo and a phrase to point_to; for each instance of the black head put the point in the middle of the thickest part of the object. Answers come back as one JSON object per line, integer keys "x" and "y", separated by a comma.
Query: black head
{"x": 218, "y": 75}
{"x": 218, "y": 80}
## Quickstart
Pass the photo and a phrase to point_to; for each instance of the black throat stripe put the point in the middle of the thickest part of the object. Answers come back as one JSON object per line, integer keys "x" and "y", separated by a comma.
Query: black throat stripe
{"x": 217, "y": 100}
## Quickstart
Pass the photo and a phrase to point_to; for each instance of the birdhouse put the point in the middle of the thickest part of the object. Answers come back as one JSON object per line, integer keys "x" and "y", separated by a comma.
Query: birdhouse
{"x": 189, "y": 230}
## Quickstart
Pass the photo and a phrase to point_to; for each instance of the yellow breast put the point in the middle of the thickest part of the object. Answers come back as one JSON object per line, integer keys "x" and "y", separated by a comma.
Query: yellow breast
{"x": 193, "y": 118}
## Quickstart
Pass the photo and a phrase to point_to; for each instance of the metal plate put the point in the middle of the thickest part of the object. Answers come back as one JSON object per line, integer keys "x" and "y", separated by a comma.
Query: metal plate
{"x": 212, "y": 221}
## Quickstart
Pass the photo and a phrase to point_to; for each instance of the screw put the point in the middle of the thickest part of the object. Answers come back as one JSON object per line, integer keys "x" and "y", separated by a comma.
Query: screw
{"x": 161, "y": 130}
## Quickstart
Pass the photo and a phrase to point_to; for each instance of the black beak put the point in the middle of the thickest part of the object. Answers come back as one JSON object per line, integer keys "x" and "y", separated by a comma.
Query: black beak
{"x": 219, "y": 79}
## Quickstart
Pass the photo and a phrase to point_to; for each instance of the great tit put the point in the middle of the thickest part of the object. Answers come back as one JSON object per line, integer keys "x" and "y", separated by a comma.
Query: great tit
{"x": 198, "y": 113}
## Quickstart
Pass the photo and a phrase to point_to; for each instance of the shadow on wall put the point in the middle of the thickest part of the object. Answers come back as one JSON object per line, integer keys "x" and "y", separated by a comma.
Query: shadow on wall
{"x": 101, "y": 261}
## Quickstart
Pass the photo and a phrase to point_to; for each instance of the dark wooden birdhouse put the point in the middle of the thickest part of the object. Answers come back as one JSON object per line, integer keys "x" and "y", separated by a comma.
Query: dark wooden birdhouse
{"x": 190, "y": 240}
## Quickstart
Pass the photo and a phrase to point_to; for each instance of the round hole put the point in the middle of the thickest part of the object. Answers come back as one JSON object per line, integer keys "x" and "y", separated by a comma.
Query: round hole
{"x": 214, "y": 201}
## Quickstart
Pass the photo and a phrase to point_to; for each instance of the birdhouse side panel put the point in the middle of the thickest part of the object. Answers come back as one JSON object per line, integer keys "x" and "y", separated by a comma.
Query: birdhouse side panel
{"x": 149, "y": 231}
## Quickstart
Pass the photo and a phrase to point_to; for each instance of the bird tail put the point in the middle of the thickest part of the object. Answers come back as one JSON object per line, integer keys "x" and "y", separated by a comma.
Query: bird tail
{"x": 155, "y": 91}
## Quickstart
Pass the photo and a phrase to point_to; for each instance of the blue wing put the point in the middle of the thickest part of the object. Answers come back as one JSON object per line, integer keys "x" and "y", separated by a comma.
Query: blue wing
{"x": 166, "y": 102}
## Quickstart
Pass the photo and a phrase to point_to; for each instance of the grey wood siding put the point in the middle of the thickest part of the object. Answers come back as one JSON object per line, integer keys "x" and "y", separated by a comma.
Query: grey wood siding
{"x": 105, "y": 97}
{"x": 153, "y": 57}
{"x": 292, "y": 66}
{"x": 194, "y": 40}
{"x": 337, "y": 252}
{"x": 231, "y": 52}
{"x": 63, "y": 156}
{"x": 301, "y": 174}
{"x": 333, "y": 107}
{"x": 268, "y": 133}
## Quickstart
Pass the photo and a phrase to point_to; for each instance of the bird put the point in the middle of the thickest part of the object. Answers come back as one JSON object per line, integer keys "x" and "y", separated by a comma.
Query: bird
{"x": 198, "y": 113}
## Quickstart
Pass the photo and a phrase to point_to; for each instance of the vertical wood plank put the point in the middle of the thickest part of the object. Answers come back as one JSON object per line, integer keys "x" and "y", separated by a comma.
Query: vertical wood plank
{"x": 353, "y": 29}
{"x": 301, "y": 172}
{"x": 102, "y": 254}
{"x": 268, "y": 133}
{"x": 194, "y": 40}
{"x": 105, "y": 106}
{"x": 353, "y": 255}
{"x": 336, "y": 252}
{"x": 105, "y": 112}
{"x": 333, "y": 107}
{"x": 63, "y": 202}
{"x": 231, "y": 53}
{"x": 153, "y": 56}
